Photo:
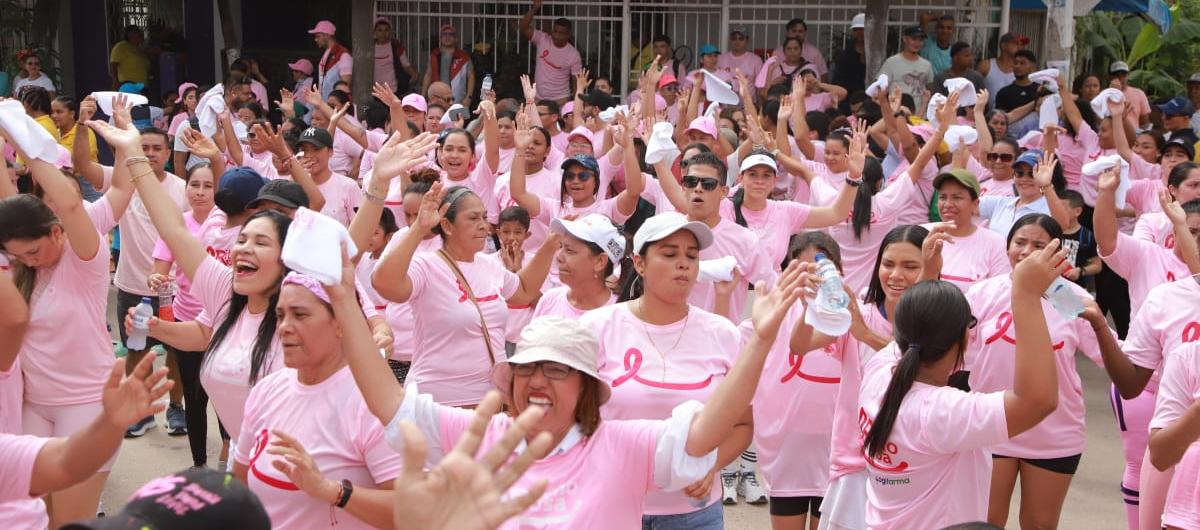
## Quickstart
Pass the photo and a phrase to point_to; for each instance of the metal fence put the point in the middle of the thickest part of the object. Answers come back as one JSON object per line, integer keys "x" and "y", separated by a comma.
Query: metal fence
{"x": 613, "y": 36}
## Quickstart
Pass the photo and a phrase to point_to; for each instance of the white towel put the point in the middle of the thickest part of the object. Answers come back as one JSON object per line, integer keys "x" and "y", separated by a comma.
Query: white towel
{"x": 211, "y": 105}
{"x": 446, "y": 117}
{"x": 879, "y": 84}
{"x": 1100, "y": 102}
{"x": 711, "y": 111}
{"x": 1031, "y": 140}
{"x": 966, "y": 90}
{"x": 1048, "y": 112}
{"x": 718, "y": 90}
{"x": 30, "y": 136}
{"x": 717, "y": 270}
{"x": 610, "y": 114}
{"x": 830, "y": 323}
{"x": 104, "y": 100}
{"x": 1100, "y": 165}
{"x": 661, "y": 146}
{"x": 960, "y": 135}
{"x": 931, "y": 111}
{"x": 314, "y": 246}
{"x": 1047, "y": 78}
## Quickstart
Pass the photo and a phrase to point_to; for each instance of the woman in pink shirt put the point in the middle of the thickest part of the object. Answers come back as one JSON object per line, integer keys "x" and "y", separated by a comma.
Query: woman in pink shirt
{"x": 997, "y": 176}
{"x": 1046, "y": 457}
{"x": 543, "y": 182}
{"x": 819, "y": 96}
{"x": 1173, "y": 436}
{"x": 459, "y": 296}
{"x": 61, "y": 270}
{"x": 976, "y": 253}
{"x": 589, "y": 248}
{"x": 927, "y": 442}
{"x": 600, "y": 470}
{"x": 307, "y": 428}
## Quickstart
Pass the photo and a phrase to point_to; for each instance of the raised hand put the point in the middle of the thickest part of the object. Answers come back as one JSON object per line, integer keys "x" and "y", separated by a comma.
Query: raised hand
{"x": 1109, "y": 179}
{"x": 1036, "y": 272}
{"x": 770, "y": 307}
{"x": 431, "y": 211}
{"x": 528, "y": 88}
{"x": 857, "y": 160}
{"x": 200, "y": 145}
{"x": 346, "y": 288}
{"x": 522, "y": 136}
{"x": 398, "y": 157}
{"x": 785, "y": 107}
{"x": 286, "y": 101}
{"x": 948, "y": 114}
{"x": 338, "y": 114}
{"x": 582, "y": 80}
{"x": 312, "y": 96}
{"x": 1171, "y": 207}
{"x": 385, "y": 94}
{"x": 462, "y": 492}
{"x": 128, "y": 399}
{"x": 652, "y": 75}
{"x": 87, "y": 109}
{"x": 124, "y": 139}
{"x": 272, "y": 139}
{"x": 981, "y": 101}
{"x": 1043, "y": 174}
{"x": 121, "y": 117}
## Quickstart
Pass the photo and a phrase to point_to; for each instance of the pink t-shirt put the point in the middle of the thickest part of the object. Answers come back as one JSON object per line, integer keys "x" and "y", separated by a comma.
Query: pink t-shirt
{"x": 218, "y": 240}
{"x": 989, "y": 358}
{"x": 345, "y": 151}
{"x": 332, "y": 422}
{"x": 999, "y": 188}
{"x": 519, "y": 315}
{"x": 858, "y": 255}
{"x": 732, "y": 239}
{"x": 1169, "y": 318}
{"x": 701, "y": 350}
{"x": 399, "y": 315}
{"x": 1179, "y": 392}
{"x": 226, "y": 371}
{"x": 17, "y": 510}
{"x": 794, "y": 408}
{"x": 138, "y": 236}
{"x": 930, "y": 476}
{"x": 546, "y": 184}
{"x": 67, "y": 352}
{"x": 385, "y": 72}
{"x": 655, "y": 195}
{"x": 774, "y": 225}
{"x": 748, "y": 63}
{"x": 1155, "y": 227}
{"x": 1073, "y": 153}
{"x": 821, "y": 101}
{"x": 186, "y": 306}
{"x": 450, "y": 361}
{"x": 846, "y": 456}
{"x": 1145, "y": 266}
{"x": 555, "y": 66}
{"x": 973, "y": 258}
{"x": 342, "y": 197}
{"x": 555, "y": 302}
{"x": 552, "y": 209}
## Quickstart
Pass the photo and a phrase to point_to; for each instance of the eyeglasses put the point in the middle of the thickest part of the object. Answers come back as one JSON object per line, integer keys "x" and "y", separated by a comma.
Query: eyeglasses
{"x": 672, "y": 88}
{"x": 581, "y": 176}
{"x": 1002, "y": 157}
{"x": 550, "y": 369}
{"x": 706, "y": 183}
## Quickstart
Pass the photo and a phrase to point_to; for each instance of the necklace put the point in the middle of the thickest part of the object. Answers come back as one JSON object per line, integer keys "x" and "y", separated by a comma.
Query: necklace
{"x": 646, "y": 331}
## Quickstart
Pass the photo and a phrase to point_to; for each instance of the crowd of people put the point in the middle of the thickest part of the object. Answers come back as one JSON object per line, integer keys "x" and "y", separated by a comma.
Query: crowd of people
{"x": 573, "y": 309}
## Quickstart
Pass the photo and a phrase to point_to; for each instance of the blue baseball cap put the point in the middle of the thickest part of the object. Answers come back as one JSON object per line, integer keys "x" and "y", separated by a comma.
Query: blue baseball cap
{"x": 242, "y": 183}
{"x": 1030, "y": 157}
{"x": 583, "y": 160}
{"x": 1177, "y": 106}
{"x": 707, "y": 49}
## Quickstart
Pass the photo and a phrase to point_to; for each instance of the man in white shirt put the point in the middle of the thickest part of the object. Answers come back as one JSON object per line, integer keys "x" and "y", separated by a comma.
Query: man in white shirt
{"x": 907, "y": 69}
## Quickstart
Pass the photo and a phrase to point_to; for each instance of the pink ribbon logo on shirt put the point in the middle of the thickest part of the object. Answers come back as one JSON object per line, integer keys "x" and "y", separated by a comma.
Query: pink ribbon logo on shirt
{"x": 260, "y": 444}
{"x": 1002, "y": 324}
{"x": 795, "y": 360}
{"x": 545, "y": 54}
{"x": 952, "y": 278}
{"x": 633, "y": 364}
{"x": 464, "y": 296}
{"x": 1191, "y": 332}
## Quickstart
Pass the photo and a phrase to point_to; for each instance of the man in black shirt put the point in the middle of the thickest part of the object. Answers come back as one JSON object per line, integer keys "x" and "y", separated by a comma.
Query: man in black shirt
{"x": 1019, "y": 98}
{"x": 850, "y": 66}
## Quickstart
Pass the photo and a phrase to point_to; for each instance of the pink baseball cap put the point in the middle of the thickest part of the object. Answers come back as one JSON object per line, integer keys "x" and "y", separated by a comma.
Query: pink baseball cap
{"x": 666, "y": 79}
{"x": 63, "y": 160}
{"x": 303, "y": 66}
{"x": 448, "y": 27}
{"x": 924, "y": 130}
{"x": 568, "y": 108}
{"x": 325, "y": 27}
{"x": 183, "y": 89}
{"x": 659, "y": 102}
{"x": 704, "y": 125}
{"x": 383, "y": 20}
{"x": 415, "y": 101}
{"x": 584, "y": 132}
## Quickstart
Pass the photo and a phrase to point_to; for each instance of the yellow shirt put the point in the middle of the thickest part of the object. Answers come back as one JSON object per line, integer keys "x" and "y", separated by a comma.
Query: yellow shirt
{"x": 47, "y": 123}
{"x": 68, "y": 141}
{"x": 132, "y": 64}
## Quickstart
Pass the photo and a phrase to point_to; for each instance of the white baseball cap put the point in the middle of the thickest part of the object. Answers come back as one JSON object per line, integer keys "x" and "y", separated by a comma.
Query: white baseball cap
{"x": 556, "y": 339}
{"x": 758, "y": 159}
{"x": 594, "y": 228}
{"x": 859, "y": 21}
{"x": 663, "y": 225}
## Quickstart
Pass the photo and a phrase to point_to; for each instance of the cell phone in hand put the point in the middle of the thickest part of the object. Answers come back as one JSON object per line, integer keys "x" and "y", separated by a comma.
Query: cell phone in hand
{"x": 194, "y": 123}
{"x": 459, "y": 114}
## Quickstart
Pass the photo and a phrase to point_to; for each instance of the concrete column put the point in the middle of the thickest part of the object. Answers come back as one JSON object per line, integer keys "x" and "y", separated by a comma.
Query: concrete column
{"x": 875, "y": 35}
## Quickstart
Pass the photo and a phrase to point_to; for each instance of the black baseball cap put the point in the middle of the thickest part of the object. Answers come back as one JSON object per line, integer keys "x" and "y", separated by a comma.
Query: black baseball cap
{"x": 597, "y": 98}
{"x": 1186, "y": 146}
{"x": 913, "y": 31}
{"x": 196, "y": 499}
{"x": 315, "y": 136}
{"x": 242, "y": 184}
{"x": 283, "y": 192}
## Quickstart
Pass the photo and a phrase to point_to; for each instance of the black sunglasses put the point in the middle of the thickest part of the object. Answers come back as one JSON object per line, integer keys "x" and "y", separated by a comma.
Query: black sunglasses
{"x": 1003, "y": 157}
{"x": 706, "y": 183}
{"x": 581, "y": 176}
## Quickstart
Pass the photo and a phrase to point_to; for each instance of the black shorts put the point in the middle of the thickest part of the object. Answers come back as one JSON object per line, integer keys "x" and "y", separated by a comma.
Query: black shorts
{"x": 126, "y": 300}
{"x": 792, "y": 506}
{"x": 399, "y": 369}
{"x": 1066, "y": 465}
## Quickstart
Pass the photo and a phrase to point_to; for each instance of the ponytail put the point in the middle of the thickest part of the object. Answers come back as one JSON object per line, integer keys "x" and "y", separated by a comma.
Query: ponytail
{"x": 739, "y": 197}
{"x": 872, "y": 177}
{"x": 889, "y": 408}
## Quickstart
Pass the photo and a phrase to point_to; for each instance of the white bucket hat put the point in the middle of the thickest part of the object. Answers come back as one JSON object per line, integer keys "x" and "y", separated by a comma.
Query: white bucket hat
{"x": 557, "y": 339}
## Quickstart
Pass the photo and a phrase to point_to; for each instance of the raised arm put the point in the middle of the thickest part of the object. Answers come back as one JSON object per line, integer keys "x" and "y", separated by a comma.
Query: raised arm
{"x": 516, "y": 176}
{"x": 533, "y": 275}
{"x": 14, "y": 320}
{"x": 627, "y": 200}
{"x": 1043, "y": 174}
{"x": 390, "y": 278}
{"x": 348, "y": 127}
{"x": 395, "y": 158}
{"x": 1185, "y": 242}
{"x": 204, "y": 147}
{"x": 81, "y": 154}
{"x": 1104, "y": 218}
{"x": 279, "y": 149}
{"x": 491, "y": 134}
{"x": 822, "y": 216}
{"x": 526, "y": 23}
{"x": 85, "y": 240}
{"x": 983, "y": 146}
{"x": 1035, "y": 381}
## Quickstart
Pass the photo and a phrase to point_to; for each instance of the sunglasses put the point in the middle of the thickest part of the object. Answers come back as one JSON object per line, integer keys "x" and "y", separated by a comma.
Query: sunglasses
{"x": 1026, "y": 173}
{"x": 550, "y": 369}
{"x": 672, "y": 88}
{"x": 581, "y": 176}
{"x": 706, "y": 183}
{"x": 1001, "y": 157}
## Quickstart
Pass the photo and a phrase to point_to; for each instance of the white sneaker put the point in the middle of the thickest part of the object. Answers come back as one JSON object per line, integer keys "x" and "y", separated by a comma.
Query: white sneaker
{"x": 749, "y": 488}
{"x": 729, "y": 487}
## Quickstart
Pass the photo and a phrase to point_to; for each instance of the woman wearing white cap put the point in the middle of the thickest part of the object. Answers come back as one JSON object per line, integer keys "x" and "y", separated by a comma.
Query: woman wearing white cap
{"x": 589, "y": 249}
{"x": 599, "y": 471}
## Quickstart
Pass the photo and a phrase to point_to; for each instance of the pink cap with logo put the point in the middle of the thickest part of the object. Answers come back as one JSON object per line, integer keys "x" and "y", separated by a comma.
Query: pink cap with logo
{"x": 415, "y": 101}
{"x": 303, "y": 66}
{"x": 325, "y": 27}
{"x": 704, "y": 125}
{"x": 583, "y": 132}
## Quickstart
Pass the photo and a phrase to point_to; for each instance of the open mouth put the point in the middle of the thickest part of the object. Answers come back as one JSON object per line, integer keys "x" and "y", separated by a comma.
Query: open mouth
{"x": 541, "y": 400}
{"x": 243, "y": 269}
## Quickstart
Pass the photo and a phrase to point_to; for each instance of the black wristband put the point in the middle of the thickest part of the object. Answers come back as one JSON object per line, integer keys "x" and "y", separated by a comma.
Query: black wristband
{"x": 347, "y": 489}
{"x": 853, "y": 182}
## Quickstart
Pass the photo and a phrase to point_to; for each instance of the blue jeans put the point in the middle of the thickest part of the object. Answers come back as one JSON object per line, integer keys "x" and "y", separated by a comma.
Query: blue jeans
{"x": 710, "y": 518}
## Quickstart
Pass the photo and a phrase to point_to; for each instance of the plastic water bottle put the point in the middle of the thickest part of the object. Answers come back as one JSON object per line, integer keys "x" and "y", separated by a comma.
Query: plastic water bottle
{"x": 141, "y": 325}
{"x": 487, "y": 84}
{"x": 831, "y": 295}
{"x": 166, "y": 302}
{"x": 1062, "y": 297}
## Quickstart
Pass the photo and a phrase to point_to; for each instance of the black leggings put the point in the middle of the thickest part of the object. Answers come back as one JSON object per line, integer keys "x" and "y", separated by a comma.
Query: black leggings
{"x": 195, "y": 403}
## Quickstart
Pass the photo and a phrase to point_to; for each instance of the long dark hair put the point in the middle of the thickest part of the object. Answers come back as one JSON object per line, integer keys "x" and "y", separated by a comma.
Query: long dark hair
{"x": 237, "y": 303}
{"x": 911, "y": 234}
{"x": 931, "y": 319}
{"x": 24, "y": 216}
{"x": 821, "y": 241}
{"x": 1044, "y": 221}
{"x": 872, "y": 178}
